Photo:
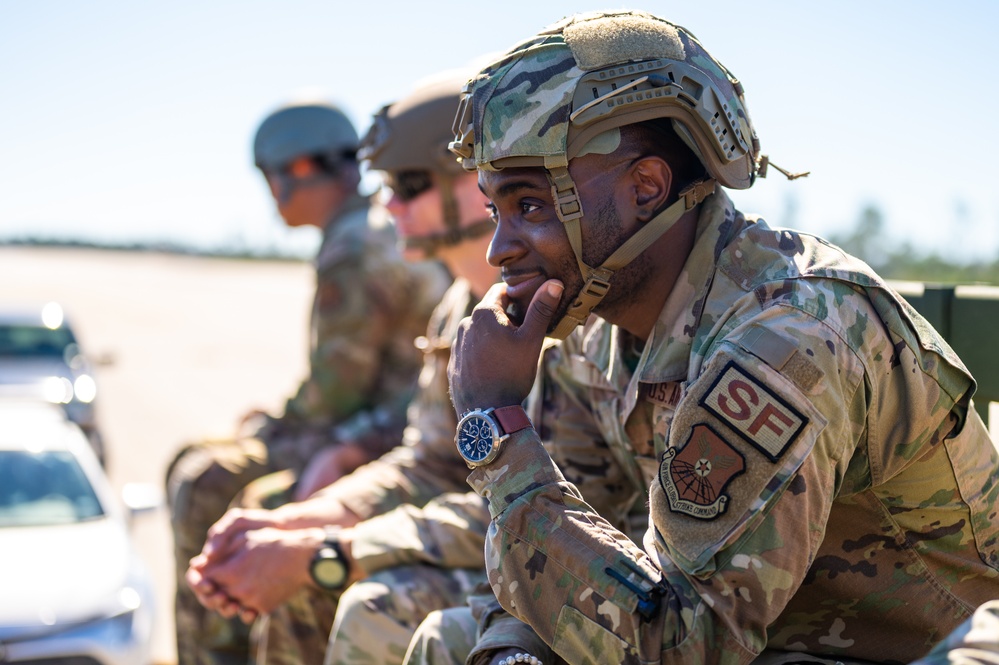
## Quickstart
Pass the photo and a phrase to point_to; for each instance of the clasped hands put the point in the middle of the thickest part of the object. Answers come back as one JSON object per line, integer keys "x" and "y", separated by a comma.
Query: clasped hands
{"x": 228, "y": 576}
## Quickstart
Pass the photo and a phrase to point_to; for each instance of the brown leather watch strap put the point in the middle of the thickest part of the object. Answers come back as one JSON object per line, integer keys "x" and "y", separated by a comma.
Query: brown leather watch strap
{"x": 512, "y": 418}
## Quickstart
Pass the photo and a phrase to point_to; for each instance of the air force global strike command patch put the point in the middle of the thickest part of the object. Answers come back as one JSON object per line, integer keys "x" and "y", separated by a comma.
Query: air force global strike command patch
{"x": 695, "y": 477}
{"x": 756, "y": 413}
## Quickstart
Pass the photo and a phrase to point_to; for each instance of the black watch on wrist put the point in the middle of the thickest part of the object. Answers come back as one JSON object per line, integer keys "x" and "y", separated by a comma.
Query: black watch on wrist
{"x": 329, "y": 567}
{"x": 481, "y": 433}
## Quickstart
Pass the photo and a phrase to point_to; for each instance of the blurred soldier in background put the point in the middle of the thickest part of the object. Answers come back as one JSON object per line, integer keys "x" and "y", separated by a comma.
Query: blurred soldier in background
{"x": 403, "y": 535}
{"x": 368, "y": 307}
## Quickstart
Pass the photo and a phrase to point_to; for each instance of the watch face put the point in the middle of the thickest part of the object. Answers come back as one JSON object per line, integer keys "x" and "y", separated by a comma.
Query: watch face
{"x": 329, "y": 572}
{"x": 477, "y": 439}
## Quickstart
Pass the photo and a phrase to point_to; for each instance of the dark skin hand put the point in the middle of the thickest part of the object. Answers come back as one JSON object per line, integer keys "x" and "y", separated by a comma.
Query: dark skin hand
{"x": 493, "y": 360}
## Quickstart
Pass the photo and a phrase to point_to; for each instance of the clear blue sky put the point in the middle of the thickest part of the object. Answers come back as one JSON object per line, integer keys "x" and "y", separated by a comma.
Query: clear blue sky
{"x": 132, "y": 121}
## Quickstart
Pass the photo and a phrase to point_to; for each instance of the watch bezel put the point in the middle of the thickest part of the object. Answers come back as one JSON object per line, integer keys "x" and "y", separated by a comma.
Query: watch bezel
{"x": 496, "y": 441}
{"x": 329, "y": 553}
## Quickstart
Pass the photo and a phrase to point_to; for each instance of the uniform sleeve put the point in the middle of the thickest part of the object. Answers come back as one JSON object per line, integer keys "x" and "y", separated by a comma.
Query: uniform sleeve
{"x": 547, "y": 550}
{"x": 499, "y": 630}
{"x": 369, "y": 307}
{"x": 448, "y": 532}
{"x": 573, "y": 439}
{"x": 736, "y": 516}
{"x": 424, "y": 466}
{"x": 350, "y": 326}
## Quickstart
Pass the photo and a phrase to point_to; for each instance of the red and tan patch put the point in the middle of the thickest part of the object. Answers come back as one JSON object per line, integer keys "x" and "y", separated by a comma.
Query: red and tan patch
{"x": 756, "y": 413}
{"x": 695, "y": 477}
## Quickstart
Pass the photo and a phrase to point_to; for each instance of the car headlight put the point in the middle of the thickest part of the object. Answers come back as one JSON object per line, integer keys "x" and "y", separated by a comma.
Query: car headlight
{"x": 85, "y": 388}
{"x": 117, "y": 626}
{"x": 58, "y": 390}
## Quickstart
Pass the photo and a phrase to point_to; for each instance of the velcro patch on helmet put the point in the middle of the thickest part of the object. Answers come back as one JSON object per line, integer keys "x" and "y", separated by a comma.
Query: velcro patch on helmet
{"x": 615, "y": 39}
{"x": 602, "y": 144}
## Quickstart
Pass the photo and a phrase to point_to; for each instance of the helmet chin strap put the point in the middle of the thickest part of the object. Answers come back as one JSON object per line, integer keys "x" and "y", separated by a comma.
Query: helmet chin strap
{"x": 596, "y": 281}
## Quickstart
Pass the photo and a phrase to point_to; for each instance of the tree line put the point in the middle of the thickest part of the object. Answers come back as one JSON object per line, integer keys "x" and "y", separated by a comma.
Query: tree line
{"x": 892, "y": 259}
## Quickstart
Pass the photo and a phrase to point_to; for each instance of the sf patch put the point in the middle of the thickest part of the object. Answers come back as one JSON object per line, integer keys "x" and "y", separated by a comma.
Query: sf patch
{"x": 756, "y": 413}
{"x": 695, "y": 477}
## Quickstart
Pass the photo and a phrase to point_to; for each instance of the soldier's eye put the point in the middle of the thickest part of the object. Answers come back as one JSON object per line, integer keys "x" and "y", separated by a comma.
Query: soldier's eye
{"x": 493, "y": 215}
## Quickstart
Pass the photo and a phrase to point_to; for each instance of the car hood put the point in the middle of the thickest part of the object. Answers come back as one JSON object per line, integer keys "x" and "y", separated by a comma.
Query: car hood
{"x": 57, "y": 575}
{"x": 26, "y": 371}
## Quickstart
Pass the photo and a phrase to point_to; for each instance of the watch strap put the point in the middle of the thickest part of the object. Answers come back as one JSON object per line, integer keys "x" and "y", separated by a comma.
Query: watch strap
{"x": 512, "y": 418}
{"x": 332, "y": 536}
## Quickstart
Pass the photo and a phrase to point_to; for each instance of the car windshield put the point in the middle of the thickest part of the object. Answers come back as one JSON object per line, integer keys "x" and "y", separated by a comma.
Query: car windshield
{"x": 44, "y": 488}
{"x": 34, "y": 341}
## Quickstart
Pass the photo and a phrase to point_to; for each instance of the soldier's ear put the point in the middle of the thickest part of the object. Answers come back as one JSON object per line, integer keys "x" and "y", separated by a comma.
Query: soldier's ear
{"x": 651, "y": 178}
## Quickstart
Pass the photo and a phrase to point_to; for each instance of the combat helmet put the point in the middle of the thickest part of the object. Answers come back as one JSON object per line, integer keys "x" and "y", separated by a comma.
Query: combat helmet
{"x": 409, "y": 139}
{"x": 317, "y": 130}
{"x": 546, "y": 98}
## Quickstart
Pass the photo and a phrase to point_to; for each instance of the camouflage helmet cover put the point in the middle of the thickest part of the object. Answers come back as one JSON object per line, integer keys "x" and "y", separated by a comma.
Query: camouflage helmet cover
{"x": 412, "y": 134}
{"x": 540, "y": 103}
{"x": 302, "y": 129}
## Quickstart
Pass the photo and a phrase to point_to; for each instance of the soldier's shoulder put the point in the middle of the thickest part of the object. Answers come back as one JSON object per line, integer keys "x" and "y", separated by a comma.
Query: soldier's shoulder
{"x": 761, "y": 253}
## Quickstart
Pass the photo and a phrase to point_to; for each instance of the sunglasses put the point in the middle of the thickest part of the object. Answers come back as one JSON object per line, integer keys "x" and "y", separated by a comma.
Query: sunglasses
{"x": 407, "y": 185}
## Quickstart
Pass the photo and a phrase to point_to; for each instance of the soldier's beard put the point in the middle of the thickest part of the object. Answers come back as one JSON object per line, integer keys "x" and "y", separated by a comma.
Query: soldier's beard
{"x": 604, "y": 236}
{"x": 606, "y": 231}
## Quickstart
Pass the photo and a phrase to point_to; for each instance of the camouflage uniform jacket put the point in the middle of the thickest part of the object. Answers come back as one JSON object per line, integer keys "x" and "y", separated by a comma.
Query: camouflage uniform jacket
{"x": 403, "y": 497}
{"x": 817, "y": 480}
{"x": 370, "y": 305}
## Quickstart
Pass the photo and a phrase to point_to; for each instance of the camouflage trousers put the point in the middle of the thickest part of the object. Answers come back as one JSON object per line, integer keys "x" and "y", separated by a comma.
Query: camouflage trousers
{"x": 974, "y": 642}
{"x": 452, "y": 636}
{"x": 447, "y": 637}
{"x": 203, "y": 480}
{"x": 371, "y": 623}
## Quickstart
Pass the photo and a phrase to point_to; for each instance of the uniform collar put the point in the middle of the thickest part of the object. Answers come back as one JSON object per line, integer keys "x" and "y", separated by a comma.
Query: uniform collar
{"x": 354, "y": 203}
{"x": 667, "y": 353}
{"x": 670, "y": 346}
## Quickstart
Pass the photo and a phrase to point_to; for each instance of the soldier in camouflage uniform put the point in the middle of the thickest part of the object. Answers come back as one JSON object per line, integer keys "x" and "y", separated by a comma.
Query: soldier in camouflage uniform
{"x": 411, "y": 534}
{"x": 368, "y": 307}
{"x": 819, "y": 486}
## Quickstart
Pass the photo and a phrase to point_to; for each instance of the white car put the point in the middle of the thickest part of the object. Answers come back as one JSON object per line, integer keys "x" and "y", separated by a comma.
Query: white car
{"x": 72, "y": 587}
{"x": 41, "y": 358}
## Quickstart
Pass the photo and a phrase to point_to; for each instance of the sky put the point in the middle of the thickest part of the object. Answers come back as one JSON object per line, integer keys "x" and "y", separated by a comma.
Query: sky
{"x": 128, "y": 122}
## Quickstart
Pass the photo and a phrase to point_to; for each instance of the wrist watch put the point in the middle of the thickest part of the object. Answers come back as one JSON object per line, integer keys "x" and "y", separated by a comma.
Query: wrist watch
{"x": 329, "y": 567}
{"x": 481, "y": 433}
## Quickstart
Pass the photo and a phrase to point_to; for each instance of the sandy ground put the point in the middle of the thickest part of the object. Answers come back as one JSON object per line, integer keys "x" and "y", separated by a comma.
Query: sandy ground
{"x": 195, "y": 343}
